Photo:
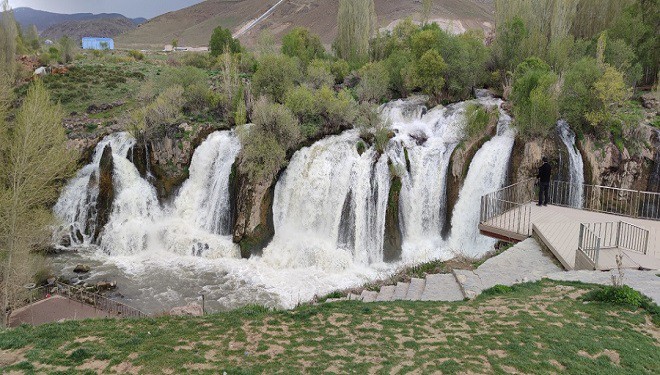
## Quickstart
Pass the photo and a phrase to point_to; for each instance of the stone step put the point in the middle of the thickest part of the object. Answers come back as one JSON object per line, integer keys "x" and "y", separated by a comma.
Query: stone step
{"x": 401, "y": 291}
{"x": 386, "y": 293}
{"x": 369, "y": 296}
{"x": 415, "y": 290}
{"x": 441, "y": 287}
{"x": 354, "y": 297}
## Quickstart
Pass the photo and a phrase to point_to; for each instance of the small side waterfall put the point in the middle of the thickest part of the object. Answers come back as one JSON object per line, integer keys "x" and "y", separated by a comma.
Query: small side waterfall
{"x": 654, "y": 180}
{"x": 487, "y": 173}
{"x": 76, "y": 207}
{"x": 197, "y": 223}
{"x": 576, "y": 164}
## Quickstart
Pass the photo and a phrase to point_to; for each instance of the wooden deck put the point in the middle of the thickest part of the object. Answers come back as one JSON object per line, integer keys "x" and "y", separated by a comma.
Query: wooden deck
{"x": 558, "y": 228}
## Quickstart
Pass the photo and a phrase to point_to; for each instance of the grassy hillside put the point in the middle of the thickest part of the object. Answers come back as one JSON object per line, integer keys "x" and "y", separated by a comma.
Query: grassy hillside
{"x": 76, "y": 30}
{"x": 535, "y": 328}
{"x": 193, "y": 26}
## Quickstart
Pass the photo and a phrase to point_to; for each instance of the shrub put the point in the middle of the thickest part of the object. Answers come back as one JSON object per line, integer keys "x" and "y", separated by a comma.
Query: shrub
{"x": 340, "y": 69}
{"x": 278, "y": 121}
{"x": 617, "y": 295}
{"x": 221, "y": 41}
{"x": 262, "y": 155}
{"x": 135, "y": 54}
{"x": 275, "y": 75}
{"x": 303, "y": 103}
{"x": 497, "y": 290}
{"x": 429, "y": 72}
{"x": 197, "y": 60}
{"x": 303, "y": 44}
{"x": 477, "y": 119}
{"x": 196, "y": 92}
{"x": 374, "y": 82}
{"x": 535, "y": 98}
{"x": 319, "y": 75}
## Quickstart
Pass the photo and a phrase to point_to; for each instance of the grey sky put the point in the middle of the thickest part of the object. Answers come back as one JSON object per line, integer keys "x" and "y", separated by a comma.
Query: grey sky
{"x": 129, "y": 8}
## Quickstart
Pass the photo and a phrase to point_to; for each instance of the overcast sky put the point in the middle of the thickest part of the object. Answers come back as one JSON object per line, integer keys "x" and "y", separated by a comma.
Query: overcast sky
{"x": 129, "y": 8}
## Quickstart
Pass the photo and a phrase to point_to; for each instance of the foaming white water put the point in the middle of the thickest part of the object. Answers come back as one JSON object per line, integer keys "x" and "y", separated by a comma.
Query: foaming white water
{"x": 487, "y": 173}
{"x": 576, "y": 165}
{"x": 323, "y": 184}
{"x": 421, "y": 152}
{"x": 76, "y": 207}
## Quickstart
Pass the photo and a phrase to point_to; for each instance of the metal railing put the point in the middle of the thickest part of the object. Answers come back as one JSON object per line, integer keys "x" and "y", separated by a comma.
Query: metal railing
{"x": 605, "y": 199}
{"x": 96, "y": 300}
{"x": 508, "y": 208}
{"x": 589, "y": 244}
{"x": 621, "y": 235}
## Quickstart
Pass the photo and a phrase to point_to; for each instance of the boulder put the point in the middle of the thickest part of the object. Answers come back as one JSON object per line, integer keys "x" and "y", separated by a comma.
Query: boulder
{"x": 81, "y": 268}
{"x": 192, "y": 309}
{"x": 105, "y": 285}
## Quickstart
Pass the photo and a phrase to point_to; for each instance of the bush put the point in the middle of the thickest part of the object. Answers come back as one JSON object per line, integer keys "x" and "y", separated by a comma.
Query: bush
{"x": 303, "y": 103}
{"x": 534, "y": 97}
{"x": 194, "y": 81}
{"x": 477, "y": 119}
{"x": 429, "y": 72}
{"x": 135, "y": 54}
{"x": 319, "y": 75}
{"x": 197, "y": 60}
{"x": 497, "y": 290}
{"x": 222, "y": 41}
{"x": 262, "y": 155}
{"x": 617, "y": 295}
{"x": 301, "y": 43}
{"x": 374, "y": 82}
{"x": 275, "y": 75}
{"x": 278, "y": 121}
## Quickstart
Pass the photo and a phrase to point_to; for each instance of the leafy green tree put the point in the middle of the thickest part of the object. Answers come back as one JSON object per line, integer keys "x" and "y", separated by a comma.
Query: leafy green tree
{"x": 374, "y": 82}
{"x": 34, "y": 160}
{"x": 67, "y": 49}
{"x": 357, "y": 23}
{"x": 8, "y": 38}
{"x": 303, "y": 102}
{"x": 262, "y": 156}
{"x": 303, "y": 44}
{"x": 427, "y": 7}
{"x": 535, "y": 98}
{"x": 275, "y": 75}
{"x": 319, "y": 74}
{"x": 577, "y": 92}
{"x": 221, "y": 41}
{"x": 277, "y": 120}
{"x": 429, "y": 73}
{"x": 399, "y": 67}
{"x": 611, "y": 92}
{"x": 467, "y": 68}
{"x": 506, "y": 49}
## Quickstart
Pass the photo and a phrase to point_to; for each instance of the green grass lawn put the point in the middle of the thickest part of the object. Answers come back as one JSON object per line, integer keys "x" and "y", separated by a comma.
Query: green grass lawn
{"x": 541, "y": 327}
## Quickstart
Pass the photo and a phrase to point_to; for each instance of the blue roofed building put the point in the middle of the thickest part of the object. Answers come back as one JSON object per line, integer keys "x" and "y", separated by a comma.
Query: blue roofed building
{"x": 98, "y": 43}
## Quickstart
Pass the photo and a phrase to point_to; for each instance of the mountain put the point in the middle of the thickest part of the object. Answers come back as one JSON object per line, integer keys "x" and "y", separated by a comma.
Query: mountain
{"x": 104, "y": 27}
{"x": 193, "y": 26}
{"x": 27, "y": 17}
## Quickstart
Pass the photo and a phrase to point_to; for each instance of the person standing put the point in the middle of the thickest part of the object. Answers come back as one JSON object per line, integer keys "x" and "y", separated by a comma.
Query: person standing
{"x": 544, "y": 182}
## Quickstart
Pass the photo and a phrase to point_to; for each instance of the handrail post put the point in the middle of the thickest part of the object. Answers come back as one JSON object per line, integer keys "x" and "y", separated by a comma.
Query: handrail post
{"x": 618, "y": 234}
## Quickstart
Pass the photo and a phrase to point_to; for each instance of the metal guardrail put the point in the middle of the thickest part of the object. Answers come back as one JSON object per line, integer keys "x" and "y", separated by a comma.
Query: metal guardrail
{"x": 508, "y": 208}
{"x": 589, "y": 244}
{"x": 621, "y": 235}
{"x": 80, "y": 295}
{"x": 605, "y": 199}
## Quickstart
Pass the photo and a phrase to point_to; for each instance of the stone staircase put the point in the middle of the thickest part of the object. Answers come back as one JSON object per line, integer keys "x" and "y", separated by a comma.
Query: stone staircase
{"x": 440, "y": 287}
{"x": 522, "y": 263}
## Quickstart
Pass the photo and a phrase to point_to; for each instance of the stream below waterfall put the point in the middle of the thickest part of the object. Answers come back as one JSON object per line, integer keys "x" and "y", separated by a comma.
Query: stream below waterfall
{"x": 329, "y": 215}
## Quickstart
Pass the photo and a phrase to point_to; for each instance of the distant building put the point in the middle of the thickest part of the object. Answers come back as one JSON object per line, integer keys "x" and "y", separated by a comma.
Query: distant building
{"x": 48, "y": 42}
{"x": 98, "y": 43}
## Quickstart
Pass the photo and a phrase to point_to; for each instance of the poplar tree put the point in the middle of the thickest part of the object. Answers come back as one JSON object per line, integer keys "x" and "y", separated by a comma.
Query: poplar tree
{"x": 33, "y": 160}
{"x": 8, "y": 36}
{"x": 357, "y": 23}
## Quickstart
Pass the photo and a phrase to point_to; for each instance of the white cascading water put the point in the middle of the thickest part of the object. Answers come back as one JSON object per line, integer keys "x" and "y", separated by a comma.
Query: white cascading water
{"x": 76, "y": 207}
{"x": 575, "y": 164}
{"x": 486, "y": 174}
{"x": 421, "y": 151}
{"x": 322, "y": 184}
{"x": 198, "y": 223}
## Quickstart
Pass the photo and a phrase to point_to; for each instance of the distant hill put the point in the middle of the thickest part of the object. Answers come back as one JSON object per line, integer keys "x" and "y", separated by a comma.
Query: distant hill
{"x": 27, "y": 17}
{"x": 105, "y": 28}
{"x": 193, "y": 26}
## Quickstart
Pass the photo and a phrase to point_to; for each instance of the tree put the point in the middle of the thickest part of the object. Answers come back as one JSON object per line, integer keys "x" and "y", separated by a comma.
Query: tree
{"x": 8, "y": 37}
{"x": 66, "y": 49}
{"x": 33, "y": 38}
{"x": 506, "y": 49}
{"x": 611, "y": 92}
{"x": 535, "y": 98}
{"x": 357, "y": 23}
{"x": 34, "y": 158}
{"x": 275, "y": 75}
{"x": 429, "y": 73}
{"x": 301, "y": 43}
{"x": 427, "y": 6}
{"x": 374, "y": 82}
{"x": 577, "y": 92}
{"x": 221, "y": 41}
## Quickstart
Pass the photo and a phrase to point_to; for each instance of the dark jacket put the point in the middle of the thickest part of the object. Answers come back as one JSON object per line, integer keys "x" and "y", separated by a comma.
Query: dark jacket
{"x": 544, "y": 173}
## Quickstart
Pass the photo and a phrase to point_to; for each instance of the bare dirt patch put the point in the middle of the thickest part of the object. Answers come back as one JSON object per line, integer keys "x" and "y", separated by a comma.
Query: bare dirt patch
{"x": 12, "y": 357}
{"x": 611, "y": 354}
{"x": 96, "y": 365}
{"x": 126, "y": 368}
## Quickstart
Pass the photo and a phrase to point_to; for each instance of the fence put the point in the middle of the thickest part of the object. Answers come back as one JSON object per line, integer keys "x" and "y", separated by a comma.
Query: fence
{"x": 100, "y": 302}
{"x": 621, "y": 235}
{"x": 589, "y": 244}
{"x": 508, "y": 208}
{"x": 624, "y": 202}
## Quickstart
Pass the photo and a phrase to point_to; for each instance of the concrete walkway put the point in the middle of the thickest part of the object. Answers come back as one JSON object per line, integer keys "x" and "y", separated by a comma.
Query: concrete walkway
{"x": 525, "y": 262}
{"x": 54, "y": 309}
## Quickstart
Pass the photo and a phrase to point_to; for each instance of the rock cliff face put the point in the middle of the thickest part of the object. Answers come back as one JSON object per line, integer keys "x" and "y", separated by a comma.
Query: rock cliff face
{"x": 106, "y": 191}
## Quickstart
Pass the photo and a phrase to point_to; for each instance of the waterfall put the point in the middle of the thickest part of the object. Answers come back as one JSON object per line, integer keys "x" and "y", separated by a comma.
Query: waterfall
{"x": 654, "y": 180}
{"x": 421, "y": 152}
{"x": 197, "y": 223}
{"x": 487, "y": 173}
{"x": 76, "y": 207}
{"x": 576, "y": 165}
{"x": 322, "y": 184}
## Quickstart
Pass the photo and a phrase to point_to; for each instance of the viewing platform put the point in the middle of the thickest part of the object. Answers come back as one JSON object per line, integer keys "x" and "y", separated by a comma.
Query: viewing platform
{"x": 584, "y": 226}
